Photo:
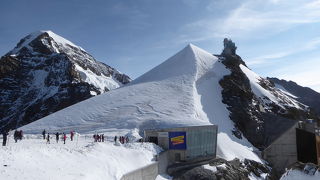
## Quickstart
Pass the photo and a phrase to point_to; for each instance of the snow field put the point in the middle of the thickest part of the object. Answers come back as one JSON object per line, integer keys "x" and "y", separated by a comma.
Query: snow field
{"x": 32, "y": 159}
{"x": 299, "y": 175}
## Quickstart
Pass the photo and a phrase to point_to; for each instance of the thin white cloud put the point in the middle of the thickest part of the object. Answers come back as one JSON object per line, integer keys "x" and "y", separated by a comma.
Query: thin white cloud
{"x": 302, "y": 47}
{"x": 261, "y": 18}
{"x": 305, "y": 73}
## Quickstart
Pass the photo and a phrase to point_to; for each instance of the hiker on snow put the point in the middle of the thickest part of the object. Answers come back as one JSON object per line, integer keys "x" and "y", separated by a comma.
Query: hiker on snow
{"x": 4, "y": 134}
{"x": 64, "y": 138}
{"x": 57, "y": 137}
{"x": 44, "y": 134}
{"x": 15, "y": 136}
{"x": 48, "y": 139}
{"x": 20, "y": 135}
{"x": 71, "y": 135}
{"x": 115, "y": 139}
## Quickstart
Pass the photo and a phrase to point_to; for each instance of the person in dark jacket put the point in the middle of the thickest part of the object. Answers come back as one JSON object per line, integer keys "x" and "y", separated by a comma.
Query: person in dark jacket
{"x": 115, "y": 139}
{"x": 57, "y": 137}
{"x": 15, "y": 136}
{"x": 48, "y": 138}
{"x": 20, "y": 135}
{"x": 44, "y": 134}
{"x": 5, "y": 135}
{"x": 64, "y": 138}
{"x": 102, "y": 137}
{"x": 71, "y": 135}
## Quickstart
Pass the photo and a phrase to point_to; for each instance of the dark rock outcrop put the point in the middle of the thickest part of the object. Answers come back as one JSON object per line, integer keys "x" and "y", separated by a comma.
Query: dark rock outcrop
{"x": 228, "y": 170}
{"x": 258, "y": 118}
{"x": 304, "y": 95}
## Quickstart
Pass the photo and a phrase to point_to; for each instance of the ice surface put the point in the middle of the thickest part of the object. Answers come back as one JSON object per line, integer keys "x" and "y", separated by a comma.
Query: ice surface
{"x": 182, "y": 91}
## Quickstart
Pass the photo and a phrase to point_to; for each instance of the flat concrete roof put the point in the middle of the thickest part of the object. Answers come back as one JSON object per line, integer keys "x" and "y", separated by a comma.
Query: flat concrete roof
{"x": 184, "y": 127}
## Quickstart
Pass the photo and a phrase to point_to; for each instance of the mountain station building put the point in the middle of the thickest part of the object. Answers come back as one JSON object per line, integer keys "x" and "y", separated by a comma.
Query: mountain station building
{"x": 185, "y": 143}
{"x": 300, "y": 143}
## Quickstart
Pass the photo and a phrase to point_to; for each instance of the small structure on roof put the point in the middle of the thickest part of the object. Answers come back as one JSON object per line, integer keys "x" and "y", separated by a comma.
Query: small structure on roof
{"x": 185, "y": 143}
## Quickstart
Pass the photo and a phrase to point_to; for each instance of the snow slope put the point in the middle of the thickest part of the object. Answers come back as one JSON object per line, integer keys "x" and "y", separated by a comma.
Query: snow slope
{"x": 299, "y": 175}
{"x": 276, "y": 95}
{"x": 81, "y": 159}
{"x": 182, "y": 91}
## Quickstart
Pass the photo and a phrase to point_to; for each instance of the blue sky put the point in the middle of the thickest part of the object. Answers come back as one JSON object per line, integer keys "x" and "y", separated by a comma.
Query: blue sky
{"x": 277, "y": 38}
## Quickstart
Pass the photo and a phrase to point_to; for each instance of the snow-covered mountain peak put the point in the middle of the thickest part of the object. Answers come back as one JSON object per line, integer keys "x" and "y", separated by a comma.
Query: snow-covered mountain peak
{"x": 191, "y": 62}
{"x": 60, "y": 40}
{"x": 45, "y": 73}
{"x": 52, "y": 41}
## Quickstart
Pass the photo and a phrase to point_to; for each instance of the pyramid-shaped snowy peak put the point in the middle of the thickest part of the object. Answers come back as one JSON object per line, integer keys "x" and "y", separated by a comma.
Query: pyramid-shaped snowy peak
{"x": 182, "y": 91}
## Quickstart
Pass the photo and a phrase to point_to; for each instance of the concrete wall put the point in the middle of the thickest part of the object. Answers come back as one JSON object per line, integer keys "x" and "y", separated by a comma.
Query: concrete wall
{"x": 283, "y": 151}
{"x": 149, "y": 172}
{"x": 163, "y": 162}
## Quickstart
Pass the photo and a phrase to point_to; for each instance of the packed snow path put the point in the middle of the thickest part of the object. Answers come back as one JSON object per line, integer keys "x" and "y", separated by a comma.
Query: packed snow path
{"x": 32, "y": 159}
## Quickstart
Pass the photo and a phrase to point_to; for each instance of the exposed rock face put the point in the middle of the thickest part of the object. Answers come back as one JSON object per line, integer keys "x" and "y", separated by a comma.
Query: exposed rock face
{"x": 228, "y": 170}
{"x": 45, "y": 73}
{"x": 259, "y": 118}
{"x": 305, "y": 95}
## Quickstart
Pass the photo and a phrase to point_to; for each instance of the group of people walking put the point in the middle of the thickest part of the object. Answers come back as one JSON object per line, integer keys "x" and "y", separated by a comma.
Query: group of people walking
{"x": 122, "y": 139}
{"x": 98, "y": 137}
{"x": 47, "y": 137}
{"x": 18, "y": 135}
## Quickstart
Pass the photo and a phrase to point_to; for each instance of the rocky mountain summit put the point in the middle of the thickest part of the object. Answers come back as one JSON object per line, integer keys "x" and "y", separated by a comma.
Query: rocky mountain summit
{"x": 45, "y": 73}
{"x": 302, "y": 94}
{"x": 260, "y": 110}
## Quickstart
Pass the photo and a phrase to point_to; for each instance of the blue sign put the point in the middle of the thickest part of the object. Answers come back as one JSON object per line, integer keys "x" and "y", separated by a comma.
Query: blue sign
{"x": 177, "y": 140}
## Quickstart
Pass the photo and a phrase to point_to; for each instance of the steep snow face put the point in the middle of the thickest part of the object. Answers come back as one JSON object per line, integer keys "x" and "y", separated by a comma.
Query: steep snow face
{"x": 276, "y": 94}
{"x": 182, "y": 91}
{"x": 45, "y": 73}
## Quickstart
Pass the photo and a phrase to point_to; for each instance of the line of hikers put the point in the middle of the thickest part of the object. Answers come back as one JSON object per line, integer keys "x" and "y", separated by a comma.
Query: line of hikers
{"x": 46, "y": 136}
{"x": 122, "y": 139}
{"x": 18, "y": 135}
{"x": 98, "y": 138}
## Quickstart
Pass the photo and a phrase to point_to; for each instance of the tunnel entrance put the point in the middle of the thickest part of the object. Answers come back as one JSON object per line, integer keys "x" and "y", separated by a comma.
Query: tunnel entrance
{"x": 306, "y": 146}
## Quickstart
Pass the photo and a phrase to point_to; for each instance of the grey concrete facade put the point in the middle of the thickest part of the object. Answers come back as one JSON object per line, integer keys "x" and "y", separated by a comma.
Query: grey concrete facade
{"x": 283, "y": 151}
{"x": 149, "y": 172}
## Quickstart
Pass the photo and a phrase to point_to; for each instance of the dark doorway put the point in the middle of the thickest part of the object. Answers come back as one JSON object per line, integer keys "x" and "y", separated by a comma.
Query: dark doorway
{"x": 306, "y": 146}
{"x": 153, "y": 140}
{"x": 177, "y": 157}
